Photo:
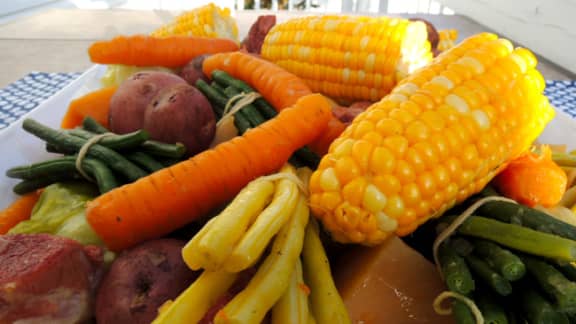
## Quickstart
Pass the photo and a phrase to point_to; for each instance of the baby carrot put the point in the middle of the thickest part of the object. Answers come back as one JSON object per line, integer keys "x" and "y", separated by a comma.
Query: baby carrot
{"x": 278, "y": 86}
{"x": 95, "y": 104}
{"x": 18, "y": 211}
{"x": 533, "y": 178}
{"x": 141, "y": 50}
{"x": 182, "y": 193}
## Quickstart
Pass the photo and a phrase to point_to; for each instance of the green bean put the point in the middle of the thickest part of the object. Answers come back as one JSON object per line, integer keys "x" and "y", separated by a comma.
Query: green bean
{"x": 155, "y": 148}
{"x": 537, "y": 309}
{"x": 30, "y": 185}
{"x": 461, "y": 313}
{"x": 491, "y": 309}
{"x": 249, "y": 111}
{"x": 564, "y": 159}
{"x": 461, "y": 246}
{"x": 310, "y": 158}
{"x": 519, "y": 238}
{"x": 217, "y": 99}
{"x": 529, "y": 217}
{"x": 568, "y": 270}
{"x": 490, "y": 277}
{"x": 455, "y": 271}
{"x": 92, "y": 125}
{"x": 116, "y": 161}
{"x": 225, "y": 79}
{"x": 144, "y": 160}
{"x": 66, "y": 166}
{"x": 505, "y": 262}
{"x": 159, "y": 149}
{"x": 553, "y": 282}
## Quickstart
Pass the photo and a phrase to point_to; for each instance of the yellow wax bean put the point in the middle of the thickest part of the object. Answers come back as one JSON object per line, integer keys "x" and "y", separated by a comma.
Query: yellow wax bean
{"x": 195, "y": 301}
{"x": 293, "y": 305}
{"x": 326, "y": 303}
{"x": 231, "y": 224}
{"x": 266, "y": 225}
{"x": 273, "y": 276}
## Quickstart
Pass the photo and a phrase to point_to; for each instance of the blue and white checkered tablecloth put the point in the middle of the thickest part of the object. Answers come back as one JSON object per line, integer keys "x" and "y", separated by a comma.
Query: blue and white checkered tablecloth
{"x": 25, "y": 94}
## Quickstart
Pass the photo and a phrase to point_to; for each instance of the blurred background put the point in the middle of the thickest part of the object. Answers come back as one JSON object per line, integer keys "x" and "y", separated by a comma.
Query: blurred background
{"x": 547, "y": 27}
{"x": 8, "y": 8}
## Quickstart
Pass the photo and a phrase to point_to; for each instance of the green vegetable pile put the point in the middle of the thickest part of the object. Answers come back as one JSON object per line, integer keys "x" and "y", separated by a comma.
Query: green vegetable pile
{"x": 514, "y": 262}
{"x": 112, "y": 161}
{"x": 224, "y": 87}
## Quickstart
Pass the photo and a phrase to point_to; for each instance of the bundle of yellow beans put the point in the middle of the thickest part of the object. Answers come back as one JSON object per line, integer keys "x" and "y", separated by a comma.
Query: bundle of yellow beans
{"x": 349, "y": 58}
{"x": 293, "y": 281}
{"x": 441, "y": 135}
{"x": 206, "y": 21}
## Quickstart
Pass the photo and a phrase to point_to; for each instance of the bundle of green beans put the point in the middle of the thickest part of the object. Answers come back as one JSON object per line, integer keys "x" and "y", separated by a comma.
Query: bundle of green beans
{"x": 516, "y": 263}
{"x": 224, "y": 87}
{"x": 112, "y": 161}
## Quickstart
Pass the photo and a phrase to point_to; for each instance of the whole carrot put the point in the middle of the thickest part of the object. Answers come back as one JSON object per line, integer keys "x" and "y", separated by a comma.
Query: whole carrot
{"x": 18, "y": 211}
{"x": 278, "y": 86}
{"x": 141, "y": 50}
{"x": 95, "y": 104}
{"x": 172, "y": 197}
{"x": 533, "y": 178}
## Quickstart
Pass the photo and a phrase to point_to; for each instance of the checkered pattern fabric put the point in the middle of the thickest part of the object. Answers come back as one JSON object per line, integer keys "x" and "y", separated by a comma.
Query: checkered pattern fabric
{"x": 562, "y": 94}
{"x": 27, "y": 93}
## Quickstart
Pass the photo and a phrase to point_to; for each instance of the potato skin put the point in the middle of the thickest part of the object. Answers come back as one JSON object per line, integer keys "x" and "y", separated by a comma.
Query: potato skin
{"x": 192, "y": 71}
{"x": 140, "y": 280}
{"x": 128, "y": 104}
{"x": 181, "y": 113}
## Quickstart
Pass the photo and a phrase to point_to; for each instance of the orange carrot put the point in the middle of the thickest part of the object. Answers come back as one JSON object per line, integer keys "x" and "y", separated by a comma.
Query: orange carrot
{"x": 19, "y": 210}
{"x": 278, "y": 86}
{"x": 141, "y": 50}
{"x": 95, "y": 104}
{"x": 533, "y": 179}
{"x": 172, "y": 197}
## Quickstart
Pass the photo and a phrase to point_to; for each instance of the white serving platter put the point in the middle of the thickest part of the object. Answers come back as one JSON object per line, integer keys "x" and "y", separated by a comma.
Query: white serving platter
{"x": 18, "y": 147}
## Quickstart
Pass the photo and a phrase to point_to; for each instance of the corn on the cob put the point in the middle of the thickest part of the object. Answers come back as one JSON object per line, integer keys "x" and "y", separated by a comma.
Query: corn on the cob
{"x": 441, "y": 135}
{"x": 206, "y": 21}
{"x": 447, "y": 40}
{"x": 349, "y": 58}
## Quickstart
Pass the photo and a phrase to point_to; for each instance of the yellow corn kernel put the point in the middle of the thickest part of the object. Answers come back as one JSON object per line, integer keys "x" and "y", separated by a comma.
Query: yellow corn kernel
{"x": 329, "y": 181}
{"x": 206, "y": 21}
{"x": 438, "y": 138}
{"x": 355, "y": 58}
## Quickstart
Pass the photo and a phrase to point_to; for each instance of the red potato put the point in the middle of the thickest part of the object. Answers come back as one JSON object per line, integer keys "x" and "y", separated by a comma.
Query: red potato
{"x": 181, "y": 113}
{"x": 140, "y": 280}
{"x": 192, "y": 71}
{"x": 128, "y": 104}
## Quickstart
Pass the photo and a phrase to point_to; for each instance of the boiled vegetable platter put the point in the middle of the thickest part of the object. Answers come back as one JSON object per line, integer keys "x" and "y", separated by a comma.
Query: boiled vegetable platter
{"x": 19, "y": 148}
